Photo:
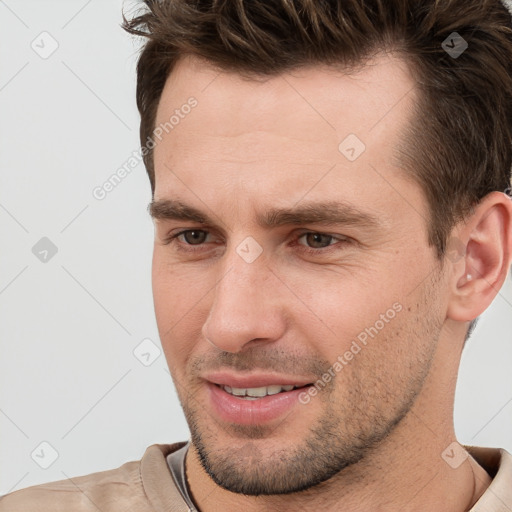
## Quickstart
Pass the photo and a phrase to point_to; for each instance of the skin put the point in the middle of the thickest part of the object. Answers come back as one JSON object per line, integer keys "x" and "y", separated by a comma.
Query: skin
{"x": 372, "y": 439}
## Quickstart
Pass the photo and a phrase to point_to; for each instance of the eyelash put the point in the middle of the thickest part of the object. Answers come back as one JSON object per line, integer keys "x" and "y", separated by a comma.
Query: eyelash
{"x": 308, "y": 250}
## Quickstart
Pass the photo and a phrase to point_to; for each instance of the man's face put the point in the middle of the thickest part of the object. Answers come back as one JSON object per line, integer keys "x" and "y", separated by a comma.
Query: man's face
{"x": 252, "y": 298}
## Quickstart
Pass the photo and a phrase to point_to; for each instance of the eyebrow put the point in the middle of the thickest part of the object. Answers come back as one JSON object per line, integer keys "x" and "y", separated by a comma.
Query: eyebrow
{"x": 325, "y": 212}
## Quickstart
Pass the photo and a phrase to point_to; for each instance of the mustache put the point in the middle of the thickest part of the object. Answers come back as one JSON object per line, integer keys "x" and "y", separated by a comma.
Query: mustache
{"x": 263, "y": 359}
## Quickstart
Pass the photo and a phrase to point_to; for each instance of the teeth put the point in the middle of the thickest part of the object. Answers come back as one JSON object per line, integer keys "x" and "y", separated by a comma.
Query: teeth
{"x": 255, "y": 393}
{"x": 273, "y": 390}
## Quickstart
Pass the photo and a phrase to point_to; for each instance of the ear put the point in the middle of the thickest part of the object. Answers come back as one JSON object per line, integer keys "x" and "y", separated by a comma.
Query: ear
{"x": 484, "y": 248}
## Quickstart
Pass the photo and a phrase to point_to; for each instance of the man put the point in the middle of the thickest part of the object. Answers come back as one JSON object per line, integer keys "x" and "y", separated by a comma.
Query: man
{"x": 331, "y": 202}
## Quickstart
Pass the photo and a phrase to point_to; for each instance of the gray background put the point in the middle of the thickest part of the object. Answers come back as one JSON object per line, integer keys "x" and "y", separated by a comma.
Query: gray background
{"x": 69, "y": 325}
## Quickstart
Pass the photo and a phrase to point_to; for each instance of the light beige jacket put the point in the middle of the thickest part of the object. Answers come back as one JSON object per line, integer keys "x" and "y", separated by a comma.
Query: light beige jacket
{"x": 148, "y": 486}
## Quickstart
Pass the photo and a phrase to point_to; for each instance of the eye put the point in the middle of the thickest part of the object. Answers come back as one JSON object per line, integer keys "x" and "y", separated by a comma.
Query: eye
{"x": 317, "y": 239}
{"x": 191, "y": 240}
{"x": 320, "y": 243}
{"x": 187, "y": 237}
{"x": 194, "y": 236}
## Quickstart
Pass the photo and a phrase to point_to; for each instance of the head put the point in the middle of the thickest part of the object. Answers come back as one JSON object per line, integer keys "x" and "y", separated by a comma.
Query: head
{"x": 340, "y": 174}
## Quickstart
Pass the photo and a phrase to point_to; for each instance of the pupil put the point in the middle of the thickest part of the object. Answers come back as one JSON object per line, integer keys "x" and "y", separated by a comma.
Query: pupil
{"x": 316, "y": 238}
{"x": 194, "y": 235}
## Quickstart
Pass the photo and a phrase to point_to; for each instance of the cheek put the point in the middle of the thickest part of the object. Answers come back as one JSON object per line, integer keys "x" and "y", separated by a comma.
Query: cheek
{"x": 164, "y": 298}
{"x": 337, "y": 307}
{"x": 174, "y": 288}
{"x": 179, "y": 301}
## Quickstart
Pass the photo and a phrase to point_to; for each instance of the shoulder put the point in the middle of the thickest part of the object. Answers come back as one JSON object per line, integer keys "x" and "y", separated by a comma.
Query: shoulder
{"x": 115, "y": 490}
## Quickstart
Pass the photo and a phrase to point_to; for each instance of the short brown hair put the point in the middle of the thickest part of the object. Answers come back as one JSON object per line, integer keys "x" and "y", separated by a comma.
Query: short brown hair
{"x": 458, "y": 146}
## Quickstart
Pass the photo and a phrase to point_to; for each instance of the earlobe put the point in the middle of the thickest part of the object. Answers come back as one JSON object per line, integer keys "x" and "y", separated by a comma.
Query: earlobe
{"x": 481, "y": 272}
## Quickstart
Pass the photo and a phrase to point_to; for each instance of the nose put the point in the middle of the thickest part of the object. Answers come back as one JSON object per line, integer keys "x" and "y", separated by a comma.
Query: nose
{"x": 246, "y": 307}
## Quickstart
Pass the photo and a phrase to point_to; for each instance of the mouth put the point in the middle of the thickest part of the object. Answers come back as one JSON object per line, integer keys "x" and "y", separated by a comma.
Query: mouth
{"x": 259, "y": 392}
{"x": 253, "y": 400}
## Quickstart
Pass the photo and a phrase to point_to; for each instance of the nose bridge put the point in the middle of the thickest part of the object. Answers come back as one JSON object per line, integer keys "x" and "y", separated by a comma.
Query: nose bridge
{"x": 244, "y": 306}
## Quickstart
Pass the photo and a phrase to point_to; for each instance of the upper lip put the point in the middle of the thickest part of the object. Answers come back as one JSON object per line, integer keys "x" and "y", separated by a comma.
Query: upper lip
{"x": 256, "y": 380}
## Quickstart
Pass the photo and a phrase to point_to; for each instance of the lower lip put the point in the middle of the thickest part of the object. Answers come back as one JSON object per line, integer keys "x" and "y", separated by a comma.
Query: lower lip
{"x": 250, "y": 412}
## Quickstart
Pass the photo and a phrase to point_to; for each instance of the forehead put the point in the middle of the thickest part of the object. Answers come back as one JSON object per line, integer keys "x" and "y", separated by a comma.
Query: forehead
{"x": 340, "y": 99}
{"x": 280, "y": 135}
